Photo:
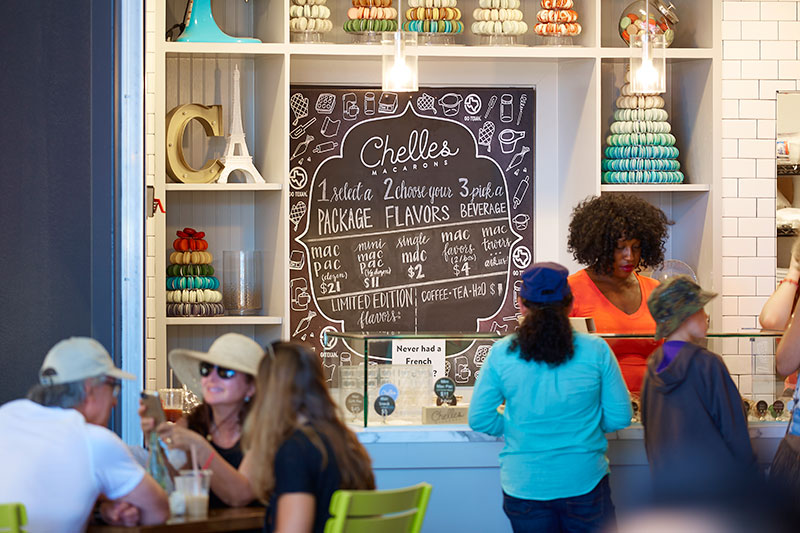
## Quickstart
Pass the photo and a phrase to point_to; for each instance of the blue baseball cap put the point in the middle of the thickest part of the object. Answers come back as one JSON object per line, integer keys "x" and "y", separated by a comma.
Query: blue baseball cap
{"x": 545, "y": 283}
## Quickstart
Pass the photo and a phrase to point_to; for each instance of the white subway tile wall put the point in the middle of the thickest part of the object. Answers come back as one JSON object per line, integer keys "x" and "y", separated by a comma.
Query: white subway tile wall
{"x": 150, "y": 120}
{"x": 761, "y": 55}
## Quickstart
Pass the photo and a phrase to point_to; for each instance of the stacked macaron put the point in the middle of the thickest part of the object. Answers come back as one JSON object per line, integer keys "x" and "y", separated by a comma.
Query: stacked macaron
{"x": 641, "y": 148}
{"x": 309, "y": 15}
{"x": 498, "y": 17}
{"x": 557, "y": 18}
{"x": 191, "y": 285}
{"x": 433, "y": 16}
{"x": 371, "y": 15}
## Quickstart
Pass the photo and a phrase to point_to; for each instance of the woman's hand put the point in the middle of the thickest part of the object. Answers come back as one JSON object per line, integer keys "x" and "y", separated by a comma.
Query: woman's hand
{"x": 183, "y": 438}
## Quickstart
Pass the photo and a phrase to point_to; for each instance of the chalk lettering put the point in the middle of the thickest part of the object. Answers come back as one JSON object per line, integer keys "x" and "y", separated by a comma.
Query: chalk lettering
{"x": 378, "y": 150}
{"x": 340, "y": 220}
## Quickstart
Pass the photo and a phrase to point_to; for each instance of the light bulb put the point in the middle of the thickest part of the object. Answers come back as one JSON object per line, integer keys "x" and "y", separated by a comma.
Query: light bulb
{"x": 400, "y": 74}
{"x": 647, "y": 75}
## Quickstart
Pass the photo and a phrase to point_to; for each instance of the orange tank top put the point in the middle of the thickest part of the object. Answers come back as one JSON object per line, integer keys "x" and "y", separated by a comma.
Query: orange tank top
{"x": 632, "y": 354}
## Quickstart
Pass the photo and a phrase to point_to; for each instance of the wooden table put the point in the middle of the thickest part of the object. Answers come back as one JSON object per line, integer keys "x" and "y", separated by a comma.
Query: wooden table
{"x": 218, "y": 520}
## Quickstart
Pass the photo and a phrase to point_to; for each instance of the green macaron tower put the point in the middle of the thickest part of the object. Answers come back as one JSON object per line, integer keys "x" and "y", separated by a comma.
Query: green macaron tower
{"x": 192, "y": 289}
{"x": 640, "y": 147}
{"x": 367, "y": 18}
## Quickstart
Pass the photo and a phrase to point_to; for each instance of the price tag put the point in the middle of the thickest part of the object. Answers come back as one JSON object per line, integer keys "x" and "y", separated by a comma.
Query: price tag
{"x": 388, "y": 389}
{"x": 354, "y": 402}
{"x": 384, "y": 405}
{"x": 444, "y": 388}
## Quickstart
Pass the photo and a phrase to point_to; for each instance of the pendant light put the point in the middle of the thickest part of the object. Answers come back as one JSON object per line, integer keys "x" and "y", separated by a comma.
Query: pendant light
{"x": 648, "y": 62}
{"x": 399, "y": 73}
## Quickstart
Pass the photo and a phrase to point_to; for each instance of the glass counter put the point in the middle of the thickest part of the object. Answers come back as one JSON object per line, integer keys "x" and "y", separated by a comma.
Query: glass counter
{"x": 427, "y": 378}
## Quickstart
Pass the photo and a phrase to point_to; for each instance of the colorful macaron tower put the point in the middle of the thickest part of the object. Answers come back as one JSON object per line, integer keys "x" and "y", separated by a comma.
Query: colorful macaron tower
{"x": 371, "y": 16}
{"x": 557, "y": 19}
{"x": 441, "y": 17}
{"x": 498, "y": 19}
{"x": 192, "y": 289}
{"x": 640, "y": 148}
{"x": 308, "y": 19}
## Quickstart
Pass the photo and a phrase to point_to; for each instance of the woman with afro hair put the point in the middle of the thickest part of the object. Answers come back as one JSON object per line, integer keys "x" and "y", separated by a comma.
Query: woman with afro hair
{"x": 615, "y": 236}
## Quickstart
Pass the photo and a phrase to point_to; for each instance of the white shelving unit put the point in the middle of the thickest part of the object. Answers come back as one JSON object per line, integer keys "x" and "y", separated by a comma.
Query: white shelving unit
{"x": 575, "y": 89}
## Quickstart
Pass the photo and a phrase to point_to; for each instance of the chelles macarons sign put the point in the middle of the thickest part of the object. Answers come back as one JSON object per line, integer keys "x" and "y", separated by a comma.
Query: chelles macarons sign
{"x": 409, "y": 212}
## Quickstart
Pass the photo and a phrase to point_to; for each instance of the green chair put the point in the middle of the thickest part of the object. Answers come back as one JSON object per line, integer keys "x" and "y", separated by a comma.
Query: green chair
{"x": 12, "y": 518}
{"x": 387, "y": 511}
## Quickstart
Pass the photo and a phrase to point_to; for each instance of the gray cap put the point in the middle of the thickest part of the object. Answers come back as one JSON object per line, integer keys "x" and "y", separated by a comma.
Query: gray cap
{"x": 76, "y": 359}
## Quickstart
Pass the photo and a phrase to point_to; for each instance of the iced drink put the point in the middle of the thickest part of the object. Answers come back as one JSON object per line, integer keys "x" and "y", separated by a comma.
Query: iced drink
{"x": 172, "y": 402}
{"x": 193, "y": 486}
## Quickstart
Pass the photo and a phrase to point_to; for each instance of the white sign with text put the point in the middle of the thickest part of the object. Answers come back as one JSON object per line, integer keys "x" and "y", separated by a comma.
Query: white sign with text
{"x": 420, "y": 352}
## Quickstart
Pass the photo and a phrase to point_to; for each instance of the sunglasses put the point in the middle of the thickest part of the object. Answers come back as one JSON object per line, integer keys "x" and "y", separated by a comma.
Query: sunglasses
{"x": 224, "y": 373}
{"x": 115, "y": 384}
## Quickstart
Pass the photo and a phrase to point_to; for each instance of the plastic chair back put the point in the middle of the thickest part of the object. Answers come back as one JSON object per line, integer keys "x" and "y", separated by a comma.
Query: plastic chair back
{"x": 12, "y": 518}
{"x": 387, "y": 511}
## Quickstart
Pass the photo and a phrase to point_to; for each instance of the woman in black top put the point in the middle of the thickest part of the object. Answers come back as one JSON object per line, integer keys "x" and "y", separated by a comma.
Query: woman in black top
{"x": 300, "y": 452}
{"x": 223, "y": 378}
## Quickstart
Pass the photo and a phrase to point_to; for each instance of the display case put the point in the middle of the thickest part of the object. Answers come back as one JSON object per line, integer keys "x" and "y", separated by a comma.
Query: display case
{"x": 418, "y": 379}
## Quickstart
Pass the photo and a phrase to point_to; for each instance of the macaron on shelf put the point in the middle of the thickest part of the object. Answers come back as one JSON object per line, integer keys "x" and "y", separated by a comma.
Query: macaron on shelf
{"x": 640, "y": 147}
{"x": 662, "y": 20}
{"x": 557, "y": 22}
{"x": 309, "y": 20}
{"x": 192, "y": 289}
{"x": 367, "y": 19}
{"x": 499, "y": 22}
{"x": 436, "y": 21}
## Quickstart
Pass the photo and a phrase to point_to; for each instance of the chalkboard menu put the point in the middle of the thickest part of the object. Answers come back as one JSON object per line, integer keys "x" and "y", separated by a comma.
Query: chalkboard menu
{"x": 409, "y": 212}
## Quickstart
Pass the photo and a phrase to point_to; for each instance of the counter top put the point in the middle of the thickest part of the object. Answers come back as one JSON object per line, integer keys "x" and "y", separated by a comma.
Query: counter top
{"x": 462, "y": 433}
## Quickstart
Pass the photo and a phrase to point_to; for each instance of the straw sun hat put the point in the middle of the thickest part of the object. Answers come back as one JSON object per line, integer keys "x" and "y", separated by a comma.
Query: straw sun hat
{"x": 232, "y": 350}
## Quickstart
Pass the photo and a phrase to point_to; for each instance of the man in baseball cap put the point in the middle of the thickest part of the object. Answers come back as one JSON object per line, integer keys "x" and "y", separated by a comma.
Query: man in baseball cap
{"x": 59, "y": 457}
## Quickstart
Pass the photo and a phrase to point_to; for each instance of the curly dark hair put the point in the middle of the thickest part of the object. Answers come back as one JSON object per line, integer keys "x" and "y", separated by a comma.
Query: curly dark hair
{"x": 600, "y": 221}
{"x": 545, "y": 335}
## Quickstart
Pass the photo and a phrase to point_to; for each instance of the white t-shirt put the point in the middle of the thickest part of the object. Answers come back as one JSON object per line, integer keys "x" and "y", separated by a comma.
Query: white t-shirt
{"x": 57, "y": 464}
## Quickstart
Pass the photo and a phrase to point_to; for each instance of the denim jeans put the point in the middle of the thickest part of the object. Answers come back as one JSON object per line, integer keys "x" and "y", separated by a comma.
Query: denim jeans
{"x": 589, "y": 512}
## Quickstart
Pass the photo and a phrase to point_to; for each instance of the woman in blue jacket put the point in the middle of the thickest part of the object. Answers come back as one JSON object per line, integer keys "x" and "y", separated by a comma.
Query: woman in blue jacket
{"x": 562, "y": 390}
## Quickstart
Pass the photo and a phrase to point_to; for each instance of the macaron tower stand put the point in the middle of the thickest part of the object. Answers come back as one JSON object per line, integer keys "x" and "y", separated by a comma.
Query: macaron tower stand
{"x": 309, "y": 20}
{"x": 191, "y": 285}
{"x": 640, "y": 148}
{"x": 557, "y": 22}
{"x": 499, "y": 22}
{"x": 435, "y": 25}
{"x": 368, "y": 18}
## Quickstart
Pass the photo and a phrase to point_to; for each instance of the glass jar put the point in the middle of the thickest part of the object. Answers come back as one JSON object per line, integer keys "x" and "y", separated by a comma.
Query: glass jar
{"x": 662, "y": 20}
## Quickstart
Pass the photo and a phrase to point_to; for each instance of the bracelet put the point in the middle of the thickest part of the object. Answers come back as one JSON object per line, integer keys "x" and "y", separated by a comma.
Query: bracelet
{"x": 793, "y": 282}
{"x": 208, "y": 461}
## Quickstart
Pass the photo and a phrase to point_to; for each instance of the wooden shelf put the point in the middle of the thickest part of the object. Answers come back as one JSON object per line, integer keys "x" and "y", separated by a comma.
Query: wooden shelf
{"x": 225, "y": 321}
{"x": 219, "y": 187}
{"x": 669, "y": 53}
{"x": 666, "y": 187}
{"x": 173, "y": 49}
{"x": 236, "y": 49}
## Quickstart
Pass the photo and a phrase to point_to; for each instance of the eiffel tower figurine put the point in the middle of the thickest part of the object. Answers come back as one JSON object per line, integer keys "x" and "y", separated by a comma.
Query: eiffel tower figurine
{"x": 241, "y": 161}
